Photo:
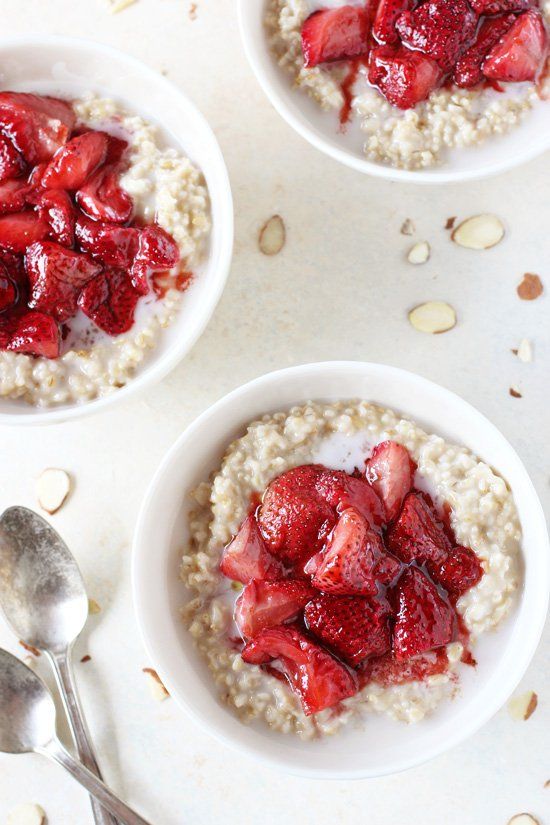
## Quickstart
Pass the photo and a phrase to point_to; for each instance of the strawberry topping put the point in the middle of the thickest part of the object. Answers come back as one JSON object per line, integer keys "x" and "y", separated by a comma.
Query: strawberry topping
{"x": 418, "y": 535}
{"x": 425, "y": 620}
{"x": 441, "y": 29}
{"x": 386, "y": 17}
{"x": 246, "y": 556}
{"x": 403, "y": 76}
{"x": 157, "y": 251}
{"x": 33, "y": 333}
{"x": 114, "y": 245}
{"x": 56, "y": 207}
{"x": 19, "y": 231}
{"x": 8, "y": 290}
{"x": 72, "y": 165}
{"x": 521, "y": 53}
{"x": 460, "y": 571}
{"x": 56, "y": 276}
{"x": 342, "y": 491}
{"x": 11, "y": 163}
{"x": 489, "y": 7}
{"x": 468, "y": 70}
{"x": 110, "y": 301}
{"x": 103, "y": 199}
{"x": 38, "y": 126}
{"x": 265, "y": 604}
{"x": 335, "y": 34}
{"x": 390, "y": 471}
{"x": 14, "y": 195}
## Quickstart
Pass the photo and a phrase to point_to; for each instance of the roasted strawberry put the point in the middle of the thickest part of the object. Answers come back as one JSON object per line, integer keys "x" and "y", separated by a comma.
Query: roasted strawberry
{"x": 13, "y": 195}
{"x": 354, "y": 561}
{"x": 269, "y": 603}
{"x": 384, "y": 23}
{"x": 56, "y": 276}
{"x": 488, "y": 7}
{"x": 110, "y": 301}
{"x": 37, "y": 126}
{"x": 20, "y": 230}
{"x": 32, "y": 332}
{"x": 56, "y": 207}
{"x": 72, "y": 165}
{"x": 418, "y": 535}
{"x": 353, "y": 627}
{"x": 157, "y": 251}
{"x": 404, "y": 77}
{"x": 521, "y": 53}
{"x": 116, "y": 149}
{"x": 342, "y": 491}
{"x": 8, "y": 290}
{"x": 319, "y": 679}
{"x": 114, "y": 245}
{"x": 387, "y": 670}
{"x": 390, "y": 471}
{"x": 468, "y": 71}
{"x": 335, "y": 34}
{"x": 460, "y": 571}
{"x": 246, "y": 557}
{"x": 12, "y": 164}
{"x": 425, "y": 620}
{"x": 103, "y": 199}
{"x": 441, "y": 29}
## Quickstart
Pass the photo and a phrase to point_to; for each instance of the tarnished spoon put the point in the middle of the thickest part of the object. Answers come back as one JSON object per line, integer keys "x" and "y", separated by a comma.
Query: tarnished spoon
{"x": 43, "y": 598}
{"x": 27, "y": 724}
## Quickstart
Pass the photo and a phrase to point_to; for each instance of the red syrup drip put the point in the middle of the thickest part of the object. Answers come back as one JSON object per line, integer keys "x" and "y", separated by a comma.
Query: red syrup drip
{"x": 162, "y": 282}
{"x": 346, "y": 88}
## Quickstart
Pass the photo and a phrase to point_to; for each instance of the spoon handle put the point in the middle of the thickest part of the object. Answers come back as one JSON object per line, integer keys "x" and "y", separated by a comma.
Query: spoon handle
{"x": 93, "y": 785}
{"x": 67, "y": 686}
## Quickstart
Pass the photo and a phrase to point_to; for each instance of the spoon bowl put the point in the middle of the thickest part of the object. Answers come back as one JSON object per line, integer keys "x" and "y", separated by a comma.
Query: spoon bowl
{"x": 27, "y": 711}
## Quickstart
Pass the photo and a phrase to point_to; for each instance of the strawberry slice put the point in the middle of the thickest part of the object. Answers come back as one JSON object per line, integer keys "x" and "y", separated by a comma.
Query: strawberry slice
{"x": 9, "y": 293}
{"x": 354, "y": 561}
{"x": 56, "y": 207}
{"x": 319, "y": 679}
{"x": 246, "y": 557}
{"x": 32, "y": 332}
{"x": 103, "y": 199}
{"x": 157, "y": 251}
{"x": 19, "y": 231}
{"x": 269, "y": 603}
{"x": 386, "y": 16}
{"x": 521, "y": 53}
{"x": 460, "y": 571}
{"x": 114, "y": 245}
{"x": 488, "y": 7}
{"x": 72, "y": 165}
{"x": 110, "y": 301}
{"x": 468, "y": 70}
{"x": 425, "y": 620}
{"x": 404, "y": 77}
{"x": 37, "y": 126}
{"x": 441, "y": 29}
{"x": 14, "y": 195}
{"x": 354, "y": 628}
{"x": 11, "y": 163}
{"x": 418, "y": 535}
{"x": 56, "y": 276}
{"x": 390, "y": 471}
{"x": 342, "y": 491}
{"x": 335, "y": 34}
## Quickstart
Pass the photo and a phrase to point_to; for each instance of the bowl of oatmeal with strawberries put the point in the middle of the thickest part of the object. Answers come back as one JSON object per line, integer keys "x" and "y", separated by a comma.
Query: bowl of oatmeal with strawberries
{"x": 361, "y": 586}
{"x": 115, "y": 228}
{"x": 426, "y": 91}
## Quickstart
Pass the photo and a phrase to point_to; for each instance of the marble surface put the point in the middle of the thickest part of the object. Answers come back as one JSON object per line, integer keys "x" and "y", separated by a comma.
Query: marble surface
{"x": 340, "y": 289}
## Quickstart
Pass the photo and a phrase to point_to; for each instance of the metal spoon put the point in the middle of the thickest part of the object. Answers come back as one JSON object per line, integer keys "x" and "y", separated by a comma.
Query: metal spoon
{"x": 27, "y": 723}
{"x": 43, "y": 598}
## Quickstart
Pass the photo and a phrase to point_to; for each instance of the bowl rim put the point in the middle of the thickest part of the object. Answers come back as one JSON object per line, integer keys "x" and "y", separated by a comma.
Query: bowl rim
{"x": 161, "y": 659}
{"x": 378, "y": 170}
{"x": 156, "y": 371}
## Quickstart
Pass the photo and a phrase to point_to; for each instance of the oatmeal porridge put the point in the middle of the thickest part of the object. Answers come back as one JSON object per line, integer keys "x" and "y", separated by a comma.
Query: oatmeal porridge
{"x": 92, "y": 275}
{"x": 419, "y": 80}
{"x": 343, "y": 561}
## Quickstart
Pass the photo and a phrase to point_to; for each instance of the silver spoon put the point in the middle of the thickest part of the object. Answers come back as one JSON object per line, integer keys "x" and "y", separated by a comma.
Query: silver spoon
{"x": 43, "y": 598}
{"x": 27, "y": 724}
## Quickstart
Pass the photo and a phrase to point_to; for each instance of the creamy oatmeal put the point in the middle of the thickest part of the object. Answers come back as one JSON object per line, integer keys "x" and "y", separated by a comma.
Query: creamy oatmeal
{"x": 340, "y": 436}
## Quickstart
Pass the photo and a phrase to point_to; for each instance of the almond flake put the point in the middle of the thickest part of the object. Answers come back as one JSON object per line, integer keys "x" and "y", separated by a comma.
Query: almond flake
{"x": 530, "y": 288}
{"x": 547, "y": 784}
{"x": 433, "y": 317}
{"x": 450, "y": 223}
{"x": 120, "y": 5}
{"x": 479, "y": 232}
{"x": 26, "y": 814}
{"x": 523, "y": 706}
{"x": 86, "y": 658}
{"x": 93, "y": 607}
{"x": 523, "y": 819}
{"x": 419, "y": 253}
{"x": 52, "y": 488}
{"x": 515, "y": 393}
{"x": 525, "y": 351}
{"x": 407, "y": 227}
{"x": 156, "y": 686}
{"x": 272, "y": 236}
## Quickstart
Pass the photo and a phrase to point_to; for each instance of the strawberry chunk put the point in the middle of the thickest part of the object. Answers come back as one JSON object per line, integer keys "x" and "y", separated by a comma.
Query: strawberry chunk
{"x": 521, "y": 53}
{"x": 441, "y": 29}
{"x": 37, "y": 126}
{"x": 342, "y": 491}
{"x": 19, "y": 231}
{"x": 56, "y": 207}
{"x": 335, "y": 34}
{"x": 488, "y": 7}
{"x": 13, "y": 195}
{"x": 319, "y": 679}
{"x": 353, "y": 627}
{"x": 110, "y": 301}
{"x": 269, "y": 603}
{"x": 390, "y": 471}
{"x": 386, "y": 16}
{"x": 157, "y": 251}
{"x": 72, "y": 165}
{"x": 425, "y": 620}
{"x": 56, "y": 276}
{"x": 114, "y": 245}
{"x": 404, "y": 77}
{"x": 418, "y": 535}
{"x": 8, "y": 290}
{"x": 103, "y": 199}
{"x": 11, "y": 163}
{"x": 460, "y": 571}
{"x": 354, "y": 561}
{"x": 246, "y": 557}
{"x": 33, "y": 333}
{"x": 468, "y": 70}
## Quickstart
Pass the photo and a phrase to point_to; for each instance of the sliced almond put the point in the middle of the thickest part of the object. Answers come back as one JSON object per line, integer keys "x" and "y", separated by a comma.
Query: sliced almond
{"x": 515, "y": 393}
{"x": 272, "y": 236}
{"x": 407, "y": 227}
{"x": 93, "y": 607}
{"x": 479, "y": 232}
{"x": 419, "y": 253}
{"x": 156, "y": 686}
{"x": 525, "y": 351}
{"x": 433, "y": 317}
{"x": 27, "y": 814}
{"x": 450, "y": 223}
{"x": 52, "y": 488}
{"x": 120, "y": 5}
{"x": 523, "y": 819}
{"x": 547, "y": 784}
{"x": 523, "y": 706}
{"x": 530, "y": 288}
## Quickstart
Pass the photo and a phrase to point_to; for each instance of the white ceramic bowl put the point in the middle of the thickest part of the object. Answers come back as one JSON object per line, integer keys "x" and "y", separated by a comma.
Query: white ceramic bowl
{"x": 320, "y": 128}
{"x": 382, "y": 746}
{"x": 69, "y": 66}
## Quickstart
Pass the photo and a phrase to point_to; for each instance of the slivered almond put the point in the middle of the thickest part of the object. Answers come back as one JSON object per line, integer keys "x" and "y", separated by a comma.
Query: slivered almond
{"x": 93, "y": 607}
{"x": 407, "y": 227}
{"x": 419, "y": 253}
{"x": 479, "y": 232}
{"x": 272, "y": 236}
{"x": 450, "y": 223}
{"x": 515, "y": 393}
{"x": 523, "y": 706}
{"x": 156, "y": 686}
{"x": 530, "y": 288}
{"x": 27, "y": 814}
{"x": 523, "y": 819}
{"x": 525, "y": 351}
{"x": 433, "y": 317}
{"x": 52, "y": 488}
{"x": 120, "y": 5}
